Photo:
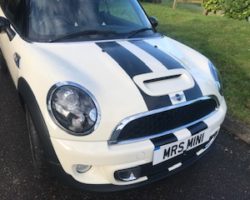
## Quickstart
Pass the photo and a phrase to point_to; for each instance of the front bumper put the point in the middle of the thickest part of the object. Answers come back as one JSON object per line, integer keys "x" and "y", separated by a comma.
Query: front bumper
{"x": 69, "y": 180}
{"x": 106, "y": 159}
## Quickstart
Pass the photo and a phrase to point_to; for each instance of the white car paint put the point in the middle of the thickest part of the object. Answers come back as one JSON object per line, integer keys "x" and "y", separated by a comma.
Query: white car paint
{"x": 43, "y": 65}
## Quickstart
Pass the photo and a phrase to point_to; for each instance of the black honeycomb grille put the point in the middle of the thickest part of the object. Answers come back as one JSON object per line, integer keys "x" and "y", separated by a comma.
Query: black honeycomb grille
{"x": 167, "y": 120}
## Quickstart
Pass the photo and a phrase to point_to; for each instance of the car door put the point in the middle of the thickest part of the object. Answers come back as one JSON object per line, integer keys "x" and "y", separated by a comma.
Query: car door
{"x": 12, "y": 10}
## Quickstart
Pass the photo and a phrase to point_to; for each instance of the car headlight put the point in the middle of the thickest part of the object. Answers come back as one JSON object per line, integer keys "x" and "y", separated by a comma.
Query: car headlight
{"x": 73, "y": 108}
{"x": 216, "y": 75}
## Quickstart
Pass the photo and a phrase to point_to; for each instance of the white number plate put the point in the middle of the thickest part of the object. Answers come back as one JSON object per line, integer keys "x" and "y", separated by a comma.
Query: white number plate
{"x": 172, "y": 150}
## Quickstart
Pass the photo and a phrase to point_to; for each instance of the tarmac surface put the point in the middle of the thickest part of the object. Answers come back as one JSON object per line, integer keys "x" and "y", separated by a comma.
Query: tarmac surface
{"x": 224, "y": 173}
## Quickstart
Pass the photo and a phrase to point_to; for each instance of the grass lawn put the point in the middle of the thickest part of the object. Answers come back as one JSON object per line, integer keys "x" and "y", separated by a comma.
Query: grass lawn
{"x": 225, "y": 41}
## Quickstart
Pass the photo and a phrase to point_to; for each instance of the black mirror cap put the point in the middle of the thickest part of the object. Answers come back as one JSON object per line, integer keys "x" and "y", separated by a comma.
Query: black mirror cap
{"x": 154, "y": 21}
{"x": 4, "y": 24}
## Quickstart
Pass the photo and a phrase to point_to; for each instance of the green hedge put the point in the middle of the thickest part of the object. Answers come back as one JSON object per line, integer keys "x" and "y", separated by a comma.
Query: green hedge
{"x": 237, "y": 9}
{"x": 152, "y": 1}
{"x": 213, "y": 5}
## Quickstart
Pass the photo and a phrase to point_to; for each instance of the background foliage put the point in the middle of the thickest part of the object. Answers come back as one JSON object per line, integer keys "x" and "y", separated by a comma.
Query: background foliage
{"x": 213, "y": 5}
{"x": 237, "y": 9}
{"x": 224, "y": 40}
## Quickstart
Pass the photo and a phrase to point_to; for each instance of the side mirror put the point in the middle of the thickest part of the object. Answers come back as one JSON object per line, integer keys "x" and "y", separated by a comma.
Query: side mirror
{"x": 153, "y": 21}
{"x": 5, "y": 27}
{"x": 4, "y": 24}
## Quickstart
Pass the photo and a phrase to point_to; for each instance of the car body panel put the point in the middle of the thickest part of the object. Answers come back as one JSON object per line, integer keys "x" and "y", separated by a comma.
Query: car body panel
{"x": 127, "y": 77}
{"x": 87, "y": 65}
{"x": 106, "y": 159}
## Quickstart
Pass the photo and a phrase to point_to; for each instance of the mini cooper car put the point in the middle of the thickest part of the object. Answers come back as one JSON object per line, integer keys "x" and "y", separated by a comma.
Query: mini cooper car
{"x": 110, "y": 102}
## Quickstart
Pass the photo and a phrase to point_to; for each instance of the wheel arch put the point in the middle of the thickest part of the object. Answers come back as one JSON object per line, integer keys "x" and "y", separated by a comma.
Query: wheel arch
{"x": 28, "y": 98}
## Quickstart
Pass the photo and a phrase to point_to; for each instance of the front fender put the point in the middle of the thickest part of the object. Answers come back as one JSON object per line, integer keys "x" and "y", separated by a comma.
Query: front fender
{"x": 29, "y": 99}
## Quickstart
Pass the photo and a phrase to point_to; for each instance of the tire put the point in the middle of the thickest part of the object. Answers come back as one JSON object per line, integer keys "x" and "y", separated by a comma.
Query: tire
{"x": 37, "y": 152}
{"x": 3, "y": 65}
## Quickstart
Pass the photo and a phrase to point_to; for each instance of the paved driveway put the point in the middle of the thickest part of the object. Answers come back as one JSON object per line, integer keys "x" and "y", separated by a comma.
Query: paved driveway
{"x": 224, "y": 173}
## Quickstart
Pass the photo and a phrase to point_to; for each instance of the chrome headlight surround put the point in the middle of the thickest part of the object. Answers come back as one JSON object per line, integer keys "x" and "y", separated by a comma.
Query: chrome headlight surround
{"x": 73, "y": 88}
{"x": 216, "y": 75}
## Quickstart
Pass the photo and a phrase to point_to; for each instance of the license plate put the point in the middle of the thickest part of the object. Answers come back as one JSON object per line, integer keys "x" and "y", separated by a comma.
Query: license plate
{"x": 172, "y": 150}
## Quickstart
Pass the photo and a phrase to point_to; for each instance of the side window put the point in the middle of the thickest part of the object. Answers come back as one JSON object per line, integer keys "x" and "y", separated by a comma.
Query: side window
{"x": 14, "y": 10}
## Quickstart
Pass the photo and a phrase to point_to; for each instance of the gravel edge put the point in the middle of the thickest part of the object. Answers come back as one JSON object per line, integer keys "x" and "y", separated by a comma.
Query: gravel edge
{"x": 237, "y": 128}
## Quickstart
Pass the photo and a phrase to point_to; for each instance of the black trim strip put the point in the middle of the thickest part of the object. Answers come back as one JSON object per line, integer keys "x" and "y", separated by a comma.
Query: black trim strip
{"x": 197, "y": 128}
{"x": 30, "y": 100}
{"x": 162, "y": 78}
{"x": 133, "y": 66}
{"x": 165, "y": 59}
{"x": 193, "y": 93}
{"x": 154, "y": 103}
{"x": 170, "y": 63}
{"x": 130, "y": 63}
{"x": 163, "y": 140}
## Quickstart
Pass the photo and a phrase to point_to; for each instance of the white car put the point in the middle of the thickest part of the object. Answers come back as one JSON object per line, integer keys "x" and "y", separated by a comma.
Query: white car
{"x": 110, "y": 103}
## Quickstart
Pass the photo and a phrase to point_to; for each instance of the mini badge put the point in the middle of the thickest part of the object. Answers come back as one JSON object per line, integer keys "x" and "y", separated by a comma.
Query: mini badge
{"x": 177, "y": 98}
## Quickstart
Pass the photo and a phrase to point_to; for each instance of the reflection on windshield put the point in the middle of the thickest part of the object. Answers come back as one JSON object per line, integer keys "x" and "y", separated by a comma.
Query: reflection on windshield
{"x": 50, "y": 19}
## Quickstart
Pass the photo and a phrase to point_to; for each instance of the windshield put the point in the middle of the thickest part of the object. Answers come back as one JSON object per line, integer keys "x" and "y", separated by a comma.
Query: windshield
{"x": 52, "y": 19}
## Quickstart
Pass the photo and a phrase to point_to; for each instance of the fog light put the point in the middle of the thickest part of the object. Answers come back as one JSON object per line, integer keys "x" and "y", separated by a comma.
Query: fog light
{"x": 82, "y": 168}
{"x": 127, "y": 175}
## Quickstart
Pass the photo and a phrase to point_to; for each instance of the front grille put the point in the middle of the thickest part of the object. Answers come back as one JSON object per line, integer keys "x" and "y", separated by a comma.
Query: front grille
{"x": 166, "y": 120}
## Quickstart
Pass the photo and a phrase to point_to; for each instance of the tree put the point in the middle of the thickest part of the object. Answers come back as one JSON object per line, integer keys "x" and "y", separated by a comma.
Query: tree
{"x": 152, "y": 1}
{"x": 237, "y": 9}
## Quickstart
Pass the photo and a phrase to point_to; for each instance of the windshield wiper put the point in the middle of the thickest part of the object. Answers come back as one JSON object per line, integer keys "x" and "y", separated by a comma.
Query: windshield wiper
{"x": 83, "y": 33}
{"x": 133, "y": 33}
